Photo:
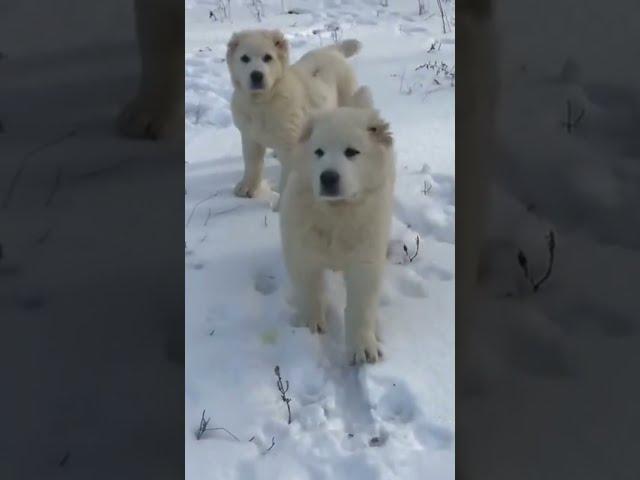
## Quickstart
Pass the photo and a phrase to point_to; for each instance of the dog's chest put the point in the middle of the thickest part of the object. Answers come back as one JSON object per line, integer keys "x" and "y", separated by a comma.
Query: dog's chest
{"x": 336, "y": 242}
{"x": 258, "y": 126}
{"x": 273, "y": 126}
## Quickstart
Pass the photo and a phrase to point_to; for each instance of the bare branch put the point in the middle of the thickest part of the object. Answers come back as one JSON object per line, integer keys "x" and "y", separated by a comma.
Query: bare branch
{"x": 524, "y": 264}
{"x": 27, "y": 156}
{"x": 54, "y": 189}
{"x": 214, "y": 214}
{"x": 44, "y": 237}
{"x": 406, "y": 250}
{"x": 571, "y": 123}
{"x": 283, "y": 390}
{"x": 551, "y": 245}
{"x": 204, "y": 427}
{"x": 63, "y": 461}
{"x": 257, "y": 8}
{"x": 221, "y": 11}
{"x": 443, "y": 15}
{"x": 273, "y": 443}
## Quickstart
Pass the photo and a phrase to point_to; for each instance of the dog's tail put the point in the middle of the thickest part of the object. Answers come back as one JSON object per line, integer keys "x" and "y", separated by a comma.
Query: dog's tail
{"x": 349, "y": 47}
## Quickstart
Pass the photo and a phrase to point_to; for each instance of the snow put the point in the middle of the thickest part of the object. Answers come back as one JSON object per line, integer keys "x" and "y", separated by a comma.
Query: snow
{"x": 558, "y": 367}
{"x": 91, "y": 272}
{"x": 391, "y": 420}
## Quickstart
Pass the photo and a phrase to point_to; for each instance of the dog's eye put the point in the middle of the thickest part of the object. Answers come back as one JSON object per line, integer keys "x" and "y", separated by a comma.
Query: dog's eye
{"x": 267, "y": 58}
{"x": 351, "y": 152}
{"x": 245, "y": 58}
{"x": 319, "y": 152}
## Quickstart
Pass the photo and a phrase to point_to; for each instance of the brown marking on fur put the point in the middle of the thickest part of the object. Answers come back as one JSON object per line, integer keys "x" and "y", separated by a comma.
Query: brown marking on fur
{"x": 380, "y": 131}
{"x": 234, "y": 41}
{"x": 281, "y": 44}
{"x": 306, "y": 132}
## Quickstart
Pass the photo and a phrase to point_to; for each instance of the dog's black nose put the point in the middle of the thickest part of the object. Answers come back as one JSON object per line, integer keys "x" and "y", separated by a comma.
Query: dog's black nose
{"x": 256, "y": 77}
{"x": 329, "y": 180}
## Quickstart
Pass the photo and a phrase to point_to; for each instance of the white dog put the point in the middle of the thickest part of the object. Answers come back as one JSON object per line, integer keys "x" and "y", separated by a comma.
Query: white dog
{"x": 476, "y": 129}
{"x": 336, "y": 214}
{"x": 272, "y": 100}
{"x": 157, "y": 111}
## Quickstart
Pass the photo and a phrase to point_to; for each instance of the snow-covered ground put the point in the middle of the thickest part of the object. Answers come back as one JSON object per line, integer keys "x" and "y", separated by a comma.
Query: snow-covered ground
{"x": 90, "y": 268}
{"x": 559, "y": 396}
{"x": 392, "y": 420}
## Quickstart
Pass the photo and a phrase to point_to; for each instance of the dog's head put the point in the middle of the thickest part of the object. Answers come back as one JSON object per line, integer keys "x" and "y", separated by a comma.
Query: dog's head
{"x": 348, "y": 151}
{"x": 257, "y": 59}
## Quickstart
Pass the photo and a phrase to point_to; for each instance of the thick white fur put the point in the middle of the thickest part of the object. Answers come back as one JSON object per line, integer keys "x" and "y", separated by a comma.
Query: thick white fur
{"x": 476, "y": 129}
{"x": 349, "y": 234}
{"x": 274, "y": 116}
{"x": 157, "y": 110}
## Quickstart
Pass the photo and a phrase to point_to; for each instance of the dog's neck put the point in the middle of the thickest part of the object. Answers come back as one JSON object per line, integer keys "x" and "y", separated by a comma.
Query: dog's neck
{"x": 364, "y": 198}
{"x": 259, "y": 97}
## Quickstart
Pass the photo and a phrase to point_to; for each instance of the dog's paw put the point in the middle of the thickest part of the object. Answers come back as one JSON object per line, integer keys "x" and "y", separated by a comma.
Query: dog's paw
{"x": 364, "y": 348}
{"x": 246, "y": 189}
{"x": 150, "y": 118}
{"x": 317, "y": 324}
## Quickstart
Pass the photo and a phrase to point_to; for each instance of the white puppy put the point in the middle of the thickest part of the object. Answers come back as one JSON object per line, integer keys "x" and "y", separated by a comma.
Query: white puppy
{"x": 157, "y": 111}
{"x": 272, "y": 100}
{"x": 336, "y": 214}
{"x": 476, "y": 148}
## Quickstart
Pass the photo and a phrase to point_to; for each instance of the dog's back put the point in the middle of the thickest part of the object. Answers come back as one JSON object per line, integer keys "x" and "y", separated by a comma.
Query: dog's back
{"x": 328, "y": 67}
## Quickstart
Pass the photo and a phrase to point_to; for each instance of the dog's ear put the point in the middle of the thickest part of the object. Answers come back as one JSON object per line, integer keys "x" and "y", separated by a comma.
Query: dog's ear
{"x": 234, "y": 41}
{"x": 380, "y": 130}
{"x": 362, "y": 98}
{"x": 281, "y": 44}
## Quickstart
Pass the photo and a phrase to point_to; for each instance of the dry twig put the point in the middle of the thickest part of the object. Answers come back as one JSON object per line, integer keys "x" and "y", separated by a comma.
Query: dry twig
{"x": 283, "y": 389}
{"x": 524, "y": 264}
{"x": 204, "y": 427}
{"x": 27, "y": 156}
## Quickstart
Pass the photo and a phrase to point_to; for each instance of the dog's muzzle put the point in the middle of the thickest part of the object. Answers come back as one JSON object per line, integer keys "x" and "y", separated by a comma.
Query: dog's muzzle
{"x": 329, "y": 183}
{"x": 257, "y": 80}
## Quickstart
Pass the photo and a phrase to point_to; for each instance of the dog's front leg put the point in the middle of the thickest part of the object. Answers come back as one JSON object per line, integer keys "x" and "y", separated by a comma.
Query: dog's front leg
{"x": 158, "y": 109}
{"x": 363, "y": 283}
{"x": 253, "y": 156}
{"x": 308, "y": 290}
